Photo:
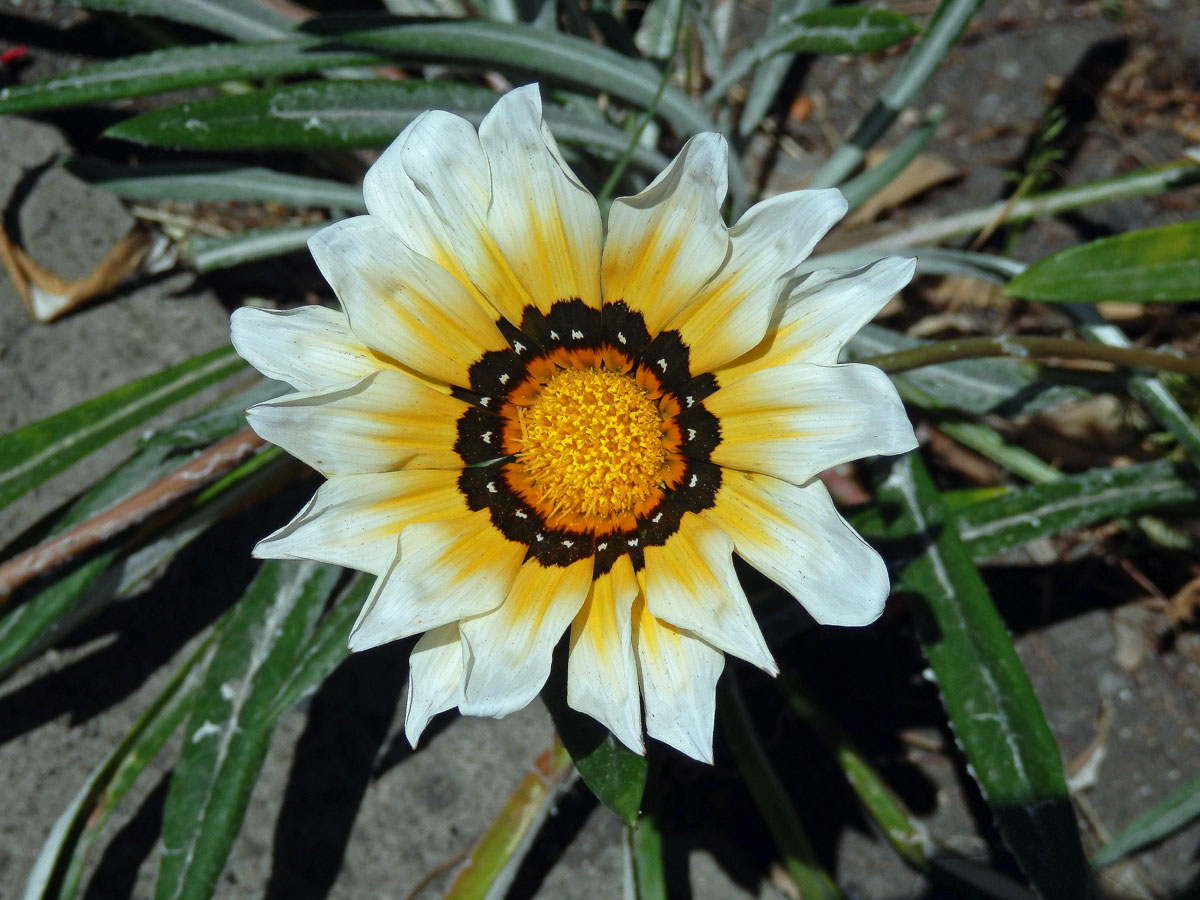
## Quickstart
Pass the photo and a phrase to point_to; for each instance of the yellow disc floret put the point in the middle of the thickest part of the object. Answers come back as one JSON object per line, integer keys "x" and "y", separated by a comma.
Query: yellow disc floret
{"x": 592, "y": 444}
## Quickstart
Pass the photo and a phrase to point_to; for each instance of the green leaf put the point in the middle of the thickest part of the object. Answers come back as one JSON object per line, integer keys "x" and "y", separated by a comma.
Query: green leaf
{"x": 987, "y": 695}
{"x": 209, "y": 253}
{"x": 238, "y": 19}
{"x": 178, "y": 67}
{"x": 325, "y": 650}
{"x": 1006, "y": 518}
{"x": 522, "y": 48}
{"x": 908, "y": 837}
{"x": 613, "y": 772}
{"x": 771, "y": 797}
{"x": 228, "y": 732}
{"x": 770, "y": 74}
{"x": 204, "y": 182}
{"x": 1154, "y": 265}
{"x": 31, "y": 455}
{"x": 1150, "y": 390}
{"x": 1018, "y": 516}
{"x": 971, "y": 385}
{"x": 344, "y": 114}
{"x": 493, "y": 861}
{"x": 60, "y": 864}
{"x": 1156, "y": 823}
{"x": 838, "y": 29}
{"x": 314, "y": 115}
{"x": 28, "y": 627}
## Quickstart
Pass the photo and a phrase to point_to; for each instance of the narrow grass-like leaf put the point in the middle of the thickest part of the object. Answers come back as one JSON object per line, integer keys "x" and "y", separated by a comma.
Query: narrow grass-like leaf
{"x": 344, "y": 114}
{"x": 228, "y": 732}
{"x": 176, "y": 68}
{"x": 208, "y": 254}
{"x": 1148, "y": 266}
{"x": 614, "y": 773}
{"x": 908, "y": 837}
{"x": 862, "y": 187}
{"x": 31, "y": 455}
{"x": 1163, "y": 819}
{"x": 238, "y": 19}
{"x": 971, "y": 385}
{"x": 324, "y": 650}
{"x": 991, "y": 444}
{"x": 1018, "y": 516}
{"x": 771, "y": 797}
{"x": 1149, "y": 389}
{"x": 496, "y": 856}
{"x": 769, "y": 74}
{"x": 1006, "y": 518}
{"x": 919, "y": 64}
{"x": 991, "y": 705}
{"x": 60, "y": 864}
{"x": 522, "y": 48}
{"x": 1142, "y": 183}
{"x": 838, "y": 29}
{"x": 204, "y": 182}
{"x": 28, "y": 627}
{"x": 42, "y": 619}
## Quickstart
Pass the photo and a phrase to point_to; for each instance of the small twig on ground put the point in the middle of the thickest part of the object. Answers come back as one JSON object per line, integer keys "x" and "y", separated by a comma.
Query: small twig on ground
{"x": 200, "y": 471}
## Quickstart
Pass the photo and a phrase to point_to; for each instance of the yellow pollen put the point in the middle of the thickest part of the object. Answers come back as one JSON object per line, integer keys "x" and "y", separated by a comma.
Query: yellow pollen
{"x": 592, "y": 444}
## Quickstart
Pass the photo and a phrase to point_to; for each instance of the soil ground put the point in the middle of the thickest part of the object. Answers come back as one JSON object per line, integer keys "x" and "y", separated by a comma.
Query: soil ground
{"x": 344, "y": 809}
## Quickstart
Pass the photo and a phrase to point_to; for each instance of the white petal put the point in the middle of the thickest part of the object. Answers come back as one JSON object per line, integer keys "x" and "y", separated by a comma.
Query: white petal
{"x": 385, "y": 422}
{"x": 691, "y": 584}
{"x": 666, "y": 242}
{"x": 602, "y": 676}
{"x": 355, "y": 520}
{"x": 679, "y": 675}
{"x": 401, "y": 304}
{"x": 445, "y": 571}
{"x": 508, "y": 651}
{"x": 432, "y": 188}
{"x": 735, "y": 308}
{"x": 311, "y": 348}
{"x": 543, "y": 219}
{"x": 434, "y": 679}
{"x": 795, "y": 421}
{"x": 796, "y": 537}
{"x": 822, "y": 314}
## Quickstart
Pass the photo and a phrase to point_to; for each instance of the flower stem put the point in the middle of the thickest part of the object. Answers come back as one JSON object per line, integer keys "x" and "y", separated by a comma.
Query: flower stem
{"x": 1025, "y": 347}
{"x": 770, "y": 796}
{"x": 644, "y": 843}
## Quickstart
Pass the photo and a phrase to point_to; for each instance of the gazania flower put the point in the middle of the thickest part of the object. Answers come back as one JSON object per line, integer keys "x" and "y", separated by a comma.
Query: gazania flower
{"x": 532, "y": 426}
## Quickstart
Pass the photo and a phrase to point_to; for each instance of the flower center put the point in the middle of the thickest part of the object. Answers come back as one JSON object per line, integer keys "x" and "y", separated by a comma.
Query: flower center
{"x": 592, "y": 444}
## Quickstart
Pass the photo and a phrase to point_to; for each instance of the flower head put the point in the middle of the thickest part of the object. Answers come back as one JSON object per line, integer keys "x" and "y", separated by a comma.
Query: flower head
{"x": 529, "y": 426}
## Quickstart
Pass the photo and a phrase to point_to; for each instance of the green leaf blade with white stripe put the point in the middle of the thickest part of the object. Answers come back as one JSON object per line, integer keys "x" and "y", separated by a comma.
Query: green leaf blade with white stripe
{"x": 991, "y": 705}
{"x": 1073, "y": 501}
{"x": 838, "y": 29}
{"x": 40, "y": 450}
{"x": 177, "y": 68}
{"x": 228, "y": 732}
